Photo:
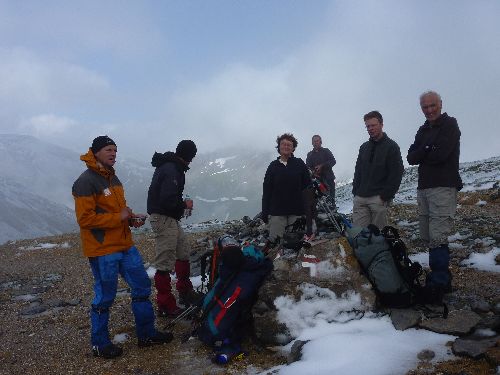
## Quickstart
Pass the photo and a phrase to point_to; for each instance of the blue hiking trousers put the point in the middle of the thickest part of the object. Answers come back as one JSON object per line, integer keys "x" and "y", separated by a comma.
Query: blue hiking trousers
{"x": 105, "y": 269}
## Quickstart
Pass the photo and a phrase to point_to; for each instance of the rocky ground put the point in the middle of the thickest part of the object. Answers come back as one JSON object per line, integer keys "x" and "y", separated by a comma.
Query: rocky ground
{"x": 45, "y": 294}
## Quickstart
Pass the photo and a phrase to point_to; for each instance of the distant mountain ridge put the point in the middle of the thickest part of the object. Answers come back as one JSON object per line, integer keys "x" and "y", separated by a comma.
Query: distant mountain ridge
{"x": 27, "y": 215}
{"x": 36, "y": 180}
{"x": 227, "y": 184}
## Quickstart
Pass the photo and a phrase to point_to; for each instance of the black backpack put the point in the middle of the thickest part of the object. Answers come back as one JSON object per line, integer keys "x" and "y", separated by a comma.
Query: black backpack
{"x": 293, "y": 238}
{"x": 225, "y": 313}
{"x": 384, "y": 259}
{"x": 210, "y": 261}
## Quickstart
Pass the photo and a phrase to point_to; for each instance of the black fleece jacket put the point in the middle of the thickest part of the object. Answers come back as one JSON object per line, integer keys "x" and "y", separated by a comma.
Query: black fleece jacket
{"x": 283, "y": 186}
{"x": 436, "y": 151}
{"x": 167, "y": 186}
{"x": 324, "y": 157}
{"x": 379, "y": 169}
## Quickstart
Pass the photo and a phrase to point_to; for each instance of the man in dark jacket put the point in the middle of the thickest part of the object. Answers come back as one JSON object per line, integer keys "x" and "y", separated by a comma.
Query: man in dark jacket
{"x": 320, "y": 161}
{"x": 166, "y": 207}
{"x": 436, "y": 151}
{"x": 377, "y": 176}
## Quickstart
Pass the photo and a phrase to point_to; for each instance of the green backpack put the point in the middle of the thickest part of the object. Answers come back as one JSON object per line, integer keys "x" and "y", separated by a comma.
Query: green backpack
{"x": 384, "y": 260}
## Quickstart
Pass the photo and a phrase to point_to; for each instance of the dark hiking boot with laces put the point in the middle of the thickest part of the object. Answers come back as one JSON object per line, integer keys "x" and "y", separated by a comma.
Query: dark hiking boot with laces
{"x": 108, "y": 352}
{"x": 159, "y": 338}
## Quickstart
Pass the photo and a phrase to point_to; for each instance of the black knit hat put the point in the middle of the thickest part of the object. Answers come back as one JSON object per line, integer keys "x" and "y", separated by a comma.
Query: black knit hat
{"x": 186, "y": 150}
{"x": 100, "y": 142}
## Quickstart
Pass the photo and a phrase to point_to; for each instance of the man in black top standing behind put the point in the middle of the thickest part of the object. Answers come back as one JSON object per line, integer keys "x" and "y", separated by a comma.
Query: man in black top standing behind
{"x": 320, "y": 161}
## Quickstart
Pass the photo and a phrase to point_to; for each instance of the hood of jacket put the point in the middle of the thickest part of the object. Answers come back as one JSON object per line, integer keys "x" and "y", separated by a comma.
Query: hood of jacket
{"x": 159, "y": 159}
{"x": 91, "y": 162}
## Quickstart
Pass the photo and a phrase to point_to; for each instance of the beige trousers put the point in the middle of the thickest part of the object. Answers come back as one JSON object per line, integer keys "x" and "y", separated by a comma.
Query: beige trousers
{"x": 277, "y": 225}
{"x": 170, "y": 242}
{"x": 369, "y": 210}
{"x": 436, "y": 211}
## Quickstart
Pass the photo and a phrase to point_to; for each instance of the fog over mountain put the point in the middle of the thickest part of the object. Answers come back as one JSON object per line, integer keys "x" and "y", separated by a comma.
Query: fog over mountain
{"x": 26, "y": 215}
{"x": 36, "y": 181}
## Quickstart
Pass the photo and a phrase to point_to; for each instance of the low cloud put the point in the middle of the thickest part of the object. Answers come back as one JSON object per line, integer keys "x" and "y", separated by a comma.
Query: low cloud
{"x": 364, "y": 59}
{"x": 46, "y": 125}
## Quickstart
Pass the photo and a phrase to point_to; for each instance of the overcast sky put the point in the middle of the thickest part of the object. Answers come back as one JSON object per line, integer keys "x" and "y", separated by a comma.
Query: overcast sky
{"x": 238, "y": 73}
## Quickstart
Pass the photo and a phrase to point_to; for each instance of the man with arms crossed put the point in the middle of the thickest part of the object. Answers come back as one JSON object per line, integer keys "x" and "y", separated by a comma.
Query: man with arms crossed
{"x": 436, "y": 151}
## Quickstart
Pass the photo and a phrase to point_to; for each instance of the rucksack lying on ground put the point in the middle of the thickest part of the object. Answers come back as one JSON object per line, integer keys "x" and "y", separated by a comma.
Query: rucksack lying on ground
{"x": 384, "y": 260}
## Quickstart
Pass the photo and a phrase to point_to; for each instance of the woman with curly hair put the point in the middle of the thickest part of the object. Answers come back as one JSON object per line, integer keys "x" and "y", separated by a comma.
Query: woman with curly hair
{"x": 285, "y": 180}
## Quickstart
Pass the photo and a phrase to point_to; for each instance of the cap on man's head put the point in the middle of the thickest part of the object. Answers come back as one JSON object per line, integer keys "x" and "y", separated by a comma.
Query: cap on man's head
{"x": 100, "y": 142}
{"x": 186, "y": 149}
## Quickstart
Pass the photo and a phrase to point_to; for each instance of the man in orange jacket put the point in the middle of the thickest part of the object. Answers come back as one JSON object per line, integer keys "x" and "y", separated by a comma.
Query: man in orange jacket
{"x": 104, "y": 220}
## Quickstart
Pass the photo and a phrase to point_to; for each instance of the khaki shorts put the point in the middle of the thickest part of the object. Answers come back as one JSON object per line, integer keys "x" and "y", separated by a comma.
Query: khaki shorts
{"x": 277, "y": 225}
{"x": 170, "y": 242}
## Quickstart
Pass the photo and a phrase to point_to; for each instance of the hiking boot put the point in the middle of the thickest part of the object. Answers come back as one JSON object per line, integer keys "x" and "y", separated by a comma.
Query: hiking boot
{"x": 110, "y": 351}
{"x": 170, "y": 313}
{"x": 434, "y": 294}
{"x": 190, "y": 297}
{"x": 159, "y": 338}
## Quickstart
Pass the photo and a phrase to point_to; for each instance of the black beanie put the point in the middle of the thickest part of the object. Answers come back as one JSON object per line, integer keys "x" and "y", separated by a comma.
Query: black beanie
{"x": 186, "y": 150}
{"x": 100, "y": 142}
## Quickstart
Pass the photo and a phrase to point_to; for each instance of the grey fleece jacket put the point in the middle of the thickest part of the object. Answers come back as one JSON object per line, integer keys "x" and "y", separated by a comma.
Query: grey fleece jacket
{"x": 379, "y": 169}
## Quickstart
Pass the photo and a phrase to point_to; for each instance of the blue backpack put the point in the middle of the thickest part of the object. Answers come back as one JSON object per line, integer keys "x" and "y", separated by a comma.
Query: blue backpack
{"x": 225, "y": 315}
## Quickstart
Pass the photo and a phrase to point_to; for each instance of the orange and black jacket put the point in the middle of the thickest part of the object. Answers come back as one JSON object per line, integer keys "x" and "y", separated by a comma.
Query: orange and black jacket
{"x": 99, "y": 198}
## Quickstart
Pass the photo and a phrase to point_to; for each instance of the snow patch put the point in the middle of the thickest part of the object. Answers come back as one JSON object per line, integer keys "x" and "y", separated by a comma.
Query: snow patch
{"x": 221, "y": 161}
{"x": 47, "y": 245}
{"x": 457, "y": 237}
{"x": 120, "y": 338}
{"x": 406, "y": 223}
{"x": 223, "y": 171}
{"x": 336, "y": 328}
{"x": 422, "y": 258}
{"x": 316, "y": 307}
{"x": 484, "y": 262}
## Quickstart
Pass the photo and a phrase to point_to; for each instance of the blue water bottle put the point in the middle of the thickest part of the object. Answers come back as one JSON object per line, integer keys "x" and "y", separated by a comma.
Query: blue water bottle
{"x": 221, "y": 359}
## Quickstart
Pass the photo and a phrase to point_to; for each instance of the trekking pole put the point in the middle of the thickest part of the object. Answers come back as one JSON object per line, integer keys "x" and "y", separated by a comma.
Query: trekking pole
{"x": 187, "y": 312}
{"x": 346, "y": 222}
{"x": 330, "y": 215}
